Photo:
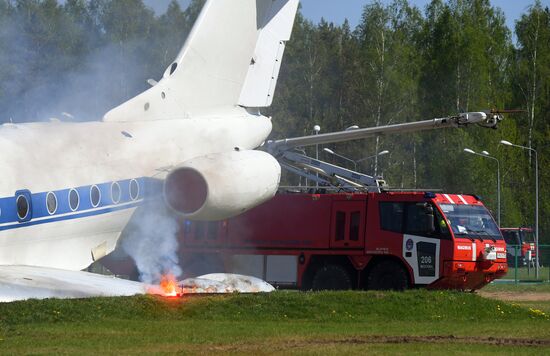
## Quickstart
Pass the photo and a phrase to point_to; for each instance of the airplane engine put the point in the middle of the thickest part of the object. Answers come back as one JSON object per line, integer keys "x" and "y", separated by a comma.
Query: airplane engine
{"x": 220, "y": 186}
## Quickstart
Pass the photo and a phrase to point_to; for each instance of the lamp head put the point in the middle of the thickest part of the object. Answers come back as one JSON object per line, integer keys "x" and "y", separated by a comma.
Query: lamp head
{"x": 469, "y": 151}
{"x": 506, "y": 143}
{"x": 328, "y": 150}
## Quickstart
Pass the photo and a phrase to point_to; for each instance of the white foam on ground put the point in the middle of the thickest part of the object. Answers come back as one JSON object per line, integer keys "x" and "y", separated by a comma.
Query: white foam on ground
{"x": 25, "y": 282}
{"x": 240, "y": 283}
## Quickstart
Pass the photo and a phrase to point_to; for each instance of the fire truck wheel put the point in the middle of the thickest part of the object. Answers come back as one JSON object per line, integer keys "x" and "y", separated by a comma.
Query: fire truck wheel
{"x": 387, "y": 275}
{"x": 331, "y": 277}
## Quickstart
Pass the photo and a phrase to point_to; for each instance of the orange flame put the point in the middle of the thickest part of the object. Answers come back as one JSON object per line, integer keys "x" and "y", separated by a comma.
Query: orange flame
{"x": 169, "y": 285}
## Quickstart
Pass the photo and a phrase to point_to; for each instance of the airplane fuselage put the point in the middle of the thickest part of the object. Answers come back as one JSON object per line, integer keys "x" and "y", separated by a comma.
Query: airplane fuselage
{"x": 68, "y": 189}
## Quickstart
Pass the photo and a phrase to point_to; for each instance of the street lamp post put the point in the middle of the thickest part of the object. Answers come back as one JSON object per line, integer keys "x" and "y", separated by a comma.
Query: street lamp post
{"x": 316, "y": 129}
{"x": 486, "y": 154}
{"x": 328, "y": 150}
{"x": 385, "y": 152}
{"x": 507, "y": 143}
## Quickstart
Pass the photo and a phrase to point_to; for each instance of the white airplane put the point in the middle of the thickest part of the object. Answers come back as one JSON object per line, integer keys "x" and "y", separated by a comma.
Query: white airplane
{"x": 69, "y": 189}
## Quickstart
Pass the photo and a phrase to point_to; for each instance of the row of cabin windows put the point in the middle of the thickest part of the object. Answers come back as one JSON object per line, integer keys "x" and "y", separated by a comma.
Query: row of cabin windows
{"x": 23, "y": 206}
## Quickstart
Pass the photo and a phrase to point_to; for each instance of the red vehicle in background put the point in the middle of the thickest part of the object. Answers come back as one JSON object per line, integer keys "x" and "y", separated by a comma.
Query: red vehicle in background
{"x": 387, "y": 240}
{"x": 520, "y": 242}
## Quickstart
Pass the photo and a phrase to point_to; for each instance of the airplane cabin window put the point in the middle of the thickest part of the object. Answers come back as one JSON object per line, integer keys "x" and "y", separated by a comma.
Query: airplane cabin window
{"x": 115, "y": 192}
{"x": 74, "y": 199}
{"x": 22, "y": 207}
{"x": 95, "y": 196}
{"x": 134, "y": 189}
{"x": 51, "y": 203}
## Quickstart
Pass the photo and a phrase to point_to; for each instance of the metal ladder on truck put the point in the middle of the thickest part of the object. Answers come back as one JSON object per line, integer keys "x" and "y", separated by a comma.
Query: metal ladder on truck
{"x": 329, "y": 175}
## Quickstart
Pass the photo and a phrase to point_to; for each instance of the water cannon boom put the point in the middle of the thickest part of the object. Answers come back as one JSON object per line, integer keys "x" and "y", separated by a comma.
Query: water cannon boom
{"x": 488, "y": 119}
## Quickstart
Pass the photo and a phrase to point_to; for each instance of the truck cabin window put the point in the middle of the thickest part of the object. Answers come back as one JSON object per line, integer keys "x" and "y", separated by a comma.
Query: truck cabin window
{"x": 355, "y": 219}
{"x": 340, "y": 226}
{"x": 391, "y": 216}
{"x": 419, "y": 219}
{"x": 511, "y": 237}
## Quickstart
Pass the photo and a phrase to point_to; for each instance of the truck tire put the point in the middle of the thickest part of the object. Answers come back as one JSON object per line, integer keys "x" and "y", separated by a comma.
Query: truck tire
{"x": 387, "y": 275}
{"x": 331, "y": 277}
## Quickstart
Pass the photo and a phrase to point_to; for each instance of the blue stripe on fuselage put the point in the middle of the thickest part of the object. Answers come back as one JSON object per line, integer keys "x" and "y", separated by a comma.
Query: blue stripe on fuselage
{"x": 75, "y": 215}
{"x": 148, "y": 188}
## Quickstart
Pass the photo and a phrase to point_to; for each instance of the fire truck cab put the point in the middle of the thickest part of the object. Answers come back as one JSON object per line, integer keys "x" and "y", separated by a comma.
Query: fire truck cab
{"x": 520, "y": 242}
{"x": 388, "y": 240}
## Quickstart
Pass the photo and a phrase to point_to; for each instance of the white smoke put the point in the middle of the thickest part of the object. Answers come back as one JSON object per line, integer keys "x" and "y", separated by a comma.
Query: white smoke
{"x": 104, "y": 79}
{"x": 84, "y": 82}
{"x": 152, "y": 242}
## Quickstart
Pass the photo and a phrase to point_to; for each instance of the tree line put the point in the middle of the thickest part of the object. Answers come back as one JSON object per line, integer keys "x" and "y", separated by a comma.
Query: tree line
{"x": 75, "y": 60}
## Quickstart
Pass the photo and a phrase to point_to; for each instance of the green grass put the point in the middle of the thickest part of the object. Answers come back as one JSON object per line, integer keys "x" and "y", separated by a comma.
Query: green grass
{"x": 525, "y": 273}
{"x": 305, "y": 323}
{"x": 540, "y": 305}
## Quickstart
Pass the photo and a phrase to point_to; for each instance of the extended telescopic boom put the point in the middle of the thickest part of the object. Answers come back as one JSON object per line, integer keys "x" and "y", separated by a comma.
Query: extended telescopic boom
{"x": 489, "y": 119}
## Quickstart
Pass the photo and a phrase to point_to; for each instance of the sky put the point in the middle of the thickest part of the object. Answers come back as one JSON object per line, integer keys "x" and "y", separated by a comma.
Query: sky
{"x": 338, "y": 10}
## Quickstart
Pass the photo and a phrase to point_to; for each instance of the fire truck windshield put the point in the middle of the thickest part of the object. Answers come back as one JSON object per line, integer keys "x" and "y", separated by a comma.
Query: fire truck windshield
{"x": 471, "y": 220}
{"x": 527, "y": 236}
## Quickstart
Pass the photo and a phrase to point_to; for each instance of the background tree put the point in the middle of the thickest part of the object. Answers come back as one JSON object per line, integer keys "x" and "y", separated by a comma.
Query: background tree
{"x": 531, "y": 86}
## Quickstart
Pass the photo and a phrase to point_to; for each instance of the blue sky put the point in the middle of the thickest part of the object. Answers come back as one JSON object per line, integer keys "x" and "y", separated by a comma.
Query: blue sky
{"x": 338, "y": 10}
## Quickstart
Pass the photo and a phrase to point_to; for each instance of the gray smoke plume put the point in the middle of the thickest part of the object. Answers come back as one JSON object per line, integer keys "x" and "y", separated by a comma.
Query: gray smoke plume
{"x": 40, "y": 80}
{"x": 105, "y": 79}
{"x": 151, "y": 240}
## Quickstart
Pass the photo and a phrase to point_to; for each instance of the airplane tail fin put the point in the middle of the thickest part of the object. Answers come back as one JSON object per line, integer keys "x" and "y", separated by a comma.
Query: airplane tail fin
{"x": 231, "y": 58}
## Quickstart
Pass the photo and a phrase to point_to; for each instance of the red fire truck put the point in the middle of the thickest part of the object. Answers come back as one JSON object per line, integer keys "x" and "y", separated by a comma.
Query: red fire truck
{"x": 388, "y": 240}
{"x": 520, "y": 241}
